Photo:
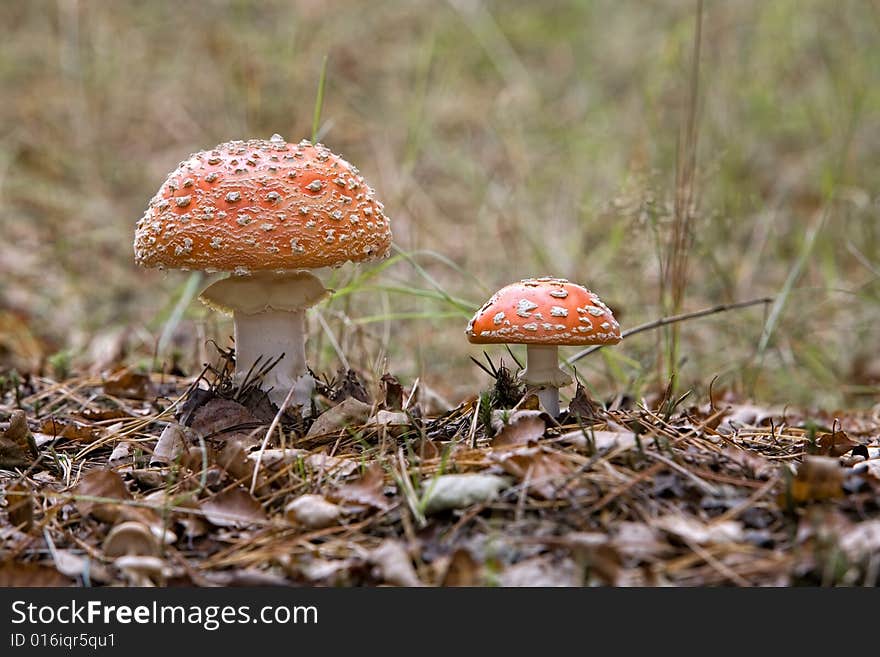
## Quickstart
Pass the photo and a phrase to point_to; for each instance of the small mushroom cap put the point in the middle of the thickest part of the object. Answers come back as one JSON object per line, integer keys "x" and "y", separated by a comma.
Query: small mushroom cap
{"x": 259, "y": 293}
{"x": 544, "y": 311}
{"x": 130, "y": 538}
{"x": 262, "y": 205}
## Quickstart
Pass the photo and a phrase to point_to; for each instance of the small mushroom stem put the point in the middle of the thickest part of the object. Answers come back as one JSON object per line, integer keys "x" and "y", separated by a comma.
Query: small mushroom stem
{"x": 542, "y": 372}
{"x": 267, "y": 335}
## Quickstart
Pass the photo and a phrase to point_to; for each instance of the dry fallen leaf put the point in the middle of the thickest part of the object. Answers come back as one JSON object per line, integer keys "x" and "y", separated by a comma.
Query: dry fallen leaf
{"x": 129, "y": 385}
{"x": 350, "y": 412}
{"x": 20, "y": 505}
{"x": 836, "y": 443}
{"x": 862, "y": 540}
{"x": 107, "y": 349}
{"x": 393, "y": 392}
{"x": 220, "y": 415}
{"x": 601, "y": 441}
{"x": 74, "y": 565}
{"x": 193, "y": 526}
{"x": 457, "y": 491}
{"x": 366, "y": 491}
{"x": 101, "y": 483}
{"x": 150, "y": 477}
{"x": 348, "y": 384}
{"x": 16, "y": 573}
{"x": 102, "y": 414}
{"x": 395, "y": 422}
{"x": 171, "y": 444}
{"x": 691, "y": 530}
{"x": 318, "y": 462}
{"x": 120, "y": 453}
{"x": 637, "y": 540}
{"x": 330, "y": 572}
{"x": 19, "y": 433}
{"x": 542, "y": 571}
{"x": 425, "y": 449}
{"x": 235, "y": 507}
{"x": 244, "y": 577}
{"x": 544, "y": 472}
{"x": 70, "y": 429}
{"x": 462, "y": 570}
{"x": 233, "y": 458}
{"x": 313, "y": 511}
{"x": 519, "y": 427}
{"x": 393, "y": 564}
{"x": 12, "y": 456}
{"x": 581, "y": 406}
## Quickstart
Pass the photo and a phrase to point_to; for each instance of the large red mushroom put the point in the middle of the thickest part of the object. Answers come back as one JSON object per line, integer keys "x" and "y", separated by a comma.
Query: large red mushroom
{"x": 264, "y": 210}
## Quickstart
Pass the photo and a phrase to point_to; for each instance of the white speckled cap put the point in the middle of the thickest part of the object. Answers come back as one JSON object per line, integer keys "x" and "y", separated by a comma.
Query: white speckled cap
{"x": 549, "y": 311}
{"x": 262, "y": 205}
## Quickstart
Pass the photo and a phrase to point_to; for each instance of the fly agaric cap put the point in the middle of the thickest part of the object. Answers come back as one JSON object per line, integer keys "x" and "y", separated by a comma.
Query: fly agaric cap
{"x": 255, "y": 205}
{"x": 544, "y": 311}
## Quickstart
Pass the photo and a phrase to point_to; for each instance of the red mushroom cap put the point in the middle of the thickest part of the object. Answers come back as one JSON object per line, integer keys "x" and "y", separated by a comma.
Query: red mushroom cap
{"x": 262, "y": 205}
{"x": 549, "y": 311}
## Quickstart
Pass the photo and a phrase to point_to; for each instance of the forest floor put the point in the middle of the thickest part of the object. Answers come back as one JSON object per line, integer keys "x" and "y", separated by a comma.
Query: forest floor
{"x": 137, "y": 479}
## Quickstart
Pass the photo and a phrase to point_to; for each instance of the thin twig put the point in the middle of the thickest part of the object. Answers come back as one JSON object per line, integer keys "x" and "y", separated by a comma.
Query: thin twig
{"x": 664, "y": 321}
{"x": 620, "y": 490}
{"x": 733, "y": 512}
{"x": 472, "y": 434}
{"x": 714, "y": 563}
{"x": 701, "y": 483}
{"x": 275, "y": 422}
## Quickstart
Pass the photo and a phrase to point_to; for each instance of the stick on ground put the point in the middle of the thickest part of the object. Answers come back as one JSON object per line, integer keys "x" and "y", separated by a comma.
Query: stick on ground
{"x": 664, "y": 321}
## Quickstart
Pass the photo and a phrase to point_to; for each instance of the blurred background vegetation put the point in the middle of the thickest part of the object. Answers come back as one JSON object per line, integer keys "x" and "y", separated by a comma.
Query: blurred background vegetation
{"x": 507, "y": 139}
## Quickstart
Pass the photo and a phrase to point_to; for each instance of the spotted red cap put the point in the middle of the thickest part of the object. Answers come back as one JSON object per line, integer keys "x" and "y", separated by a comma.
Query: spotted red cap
{"x": 262, "y": 205}
{"x": 549, "y": 311}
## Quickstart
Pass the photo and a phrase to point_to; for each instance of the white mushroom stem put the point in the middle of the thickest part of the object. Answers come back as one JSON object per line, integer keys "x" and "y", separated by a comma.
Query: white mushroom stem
{"x": 542, "y": 373}
{"x": 268, "y": 311}
{"x": 264, "y": 337}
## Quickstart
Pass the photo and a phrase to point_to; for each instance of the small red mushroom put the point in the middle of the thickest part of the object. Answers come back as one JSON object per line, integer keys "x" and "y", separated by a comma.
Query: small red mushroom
{"x": 544, "y": 313}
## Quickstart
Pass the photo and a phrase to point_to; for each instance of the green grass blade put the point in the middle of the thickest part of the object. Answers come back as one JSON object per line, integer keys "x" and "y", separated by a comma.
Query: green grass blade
{"x": 319, "y": 101}
{"x": 793, "y": 275}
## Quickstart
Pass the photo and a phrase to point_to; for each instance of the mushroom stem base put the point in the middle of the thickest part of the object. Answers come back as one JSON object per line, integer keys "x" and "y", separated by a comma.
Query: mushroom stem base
{"x": 542, "y": 372}
{"x": 266, "y": 336}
